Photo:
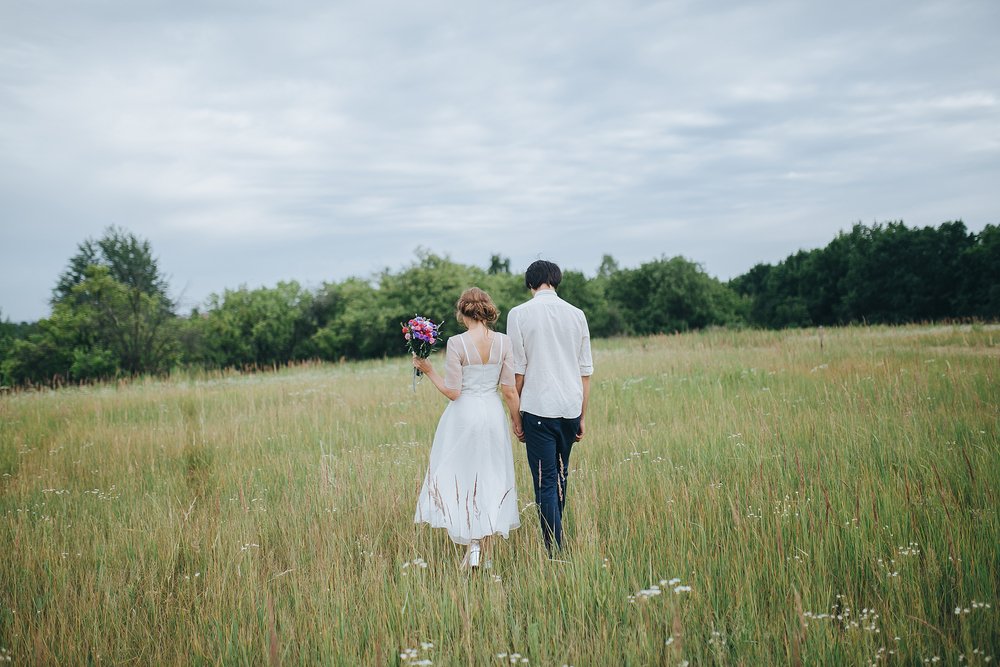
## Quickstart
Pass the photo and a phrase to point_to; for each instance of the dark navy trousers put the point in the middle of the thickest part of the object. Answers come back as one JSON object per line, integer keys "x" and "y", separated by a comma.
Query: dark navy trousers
{"x": 549, "y": 441}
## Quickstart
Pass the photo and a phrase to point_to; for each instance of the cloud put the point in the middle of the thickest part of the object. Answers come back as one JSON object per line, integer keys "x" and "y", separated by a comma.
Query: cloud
{"x": 253, "y": 141}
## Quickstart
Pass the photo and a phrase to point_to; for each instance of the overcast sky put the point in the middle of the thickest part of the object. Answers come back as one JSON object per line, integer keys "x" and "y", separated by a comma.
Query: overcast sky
{"x": 253, "y": 142}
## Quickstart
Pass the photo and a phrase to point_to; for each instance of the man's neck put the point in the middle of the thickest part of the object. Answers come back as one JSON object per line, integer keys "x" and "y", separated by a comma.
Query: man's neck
{"x": 542, "y": 287}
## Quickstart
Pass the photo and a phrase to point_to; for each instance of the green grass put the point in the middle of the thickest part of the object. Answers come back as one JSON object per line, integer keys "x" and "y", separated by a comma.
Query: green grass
{"x": 826, "y": 505}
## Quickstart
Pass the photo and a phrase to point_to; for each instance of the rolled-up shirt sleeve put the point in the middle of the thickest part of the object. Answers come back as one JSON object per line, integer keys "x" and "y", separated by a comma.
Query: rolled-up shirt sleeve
{"x": 585, "y": 358}
{"x": 519, "y": 360}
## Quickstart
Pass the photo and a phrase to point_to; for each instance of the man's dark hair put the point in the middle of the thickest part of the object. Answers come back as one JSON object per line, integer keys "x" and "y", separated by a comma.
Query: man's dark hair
{"x": 542, "y": 272}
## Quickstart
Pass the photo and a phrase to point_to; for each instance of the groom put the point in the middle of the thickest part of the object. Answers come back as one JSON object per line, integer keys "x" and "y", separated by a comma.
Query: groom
{"x": 550, "y": 342}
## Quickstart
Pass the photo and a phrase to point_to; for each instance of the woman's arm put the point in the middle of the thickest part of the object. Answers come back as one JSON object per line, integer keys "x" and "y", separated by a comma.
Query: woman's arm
{"x": 513, "y": 402}
{"x": 425, "y": 367}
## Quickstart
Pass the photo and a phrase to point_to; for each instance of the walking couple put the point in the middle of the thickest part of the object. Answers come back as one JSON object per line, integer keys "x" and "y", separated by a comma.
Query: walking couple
{"x": 543, "y": 366}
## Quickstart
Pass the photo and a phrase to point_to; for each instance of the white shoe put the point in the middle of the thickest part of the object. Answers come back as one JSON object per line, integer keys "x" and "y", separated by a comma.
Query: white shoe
{"x": 474, "y": 553}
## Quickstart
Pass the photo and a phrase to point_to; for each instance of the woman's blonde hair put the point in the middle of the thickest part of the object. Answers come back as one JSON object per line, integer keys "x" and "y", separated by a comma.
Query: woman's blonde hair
{"x": 476, "y": 304}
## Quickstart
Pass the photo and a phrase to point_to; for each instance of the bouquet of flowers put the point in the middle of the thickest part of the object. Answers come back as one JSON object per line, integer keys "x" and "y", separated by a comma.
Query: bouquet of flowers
{"x": 420, "y": 334}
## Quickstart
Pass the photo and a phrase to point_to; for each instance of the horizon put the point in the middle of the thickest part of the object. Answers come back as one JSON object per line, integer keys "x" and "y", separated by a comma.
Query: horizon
{"x": 415, "y": 256}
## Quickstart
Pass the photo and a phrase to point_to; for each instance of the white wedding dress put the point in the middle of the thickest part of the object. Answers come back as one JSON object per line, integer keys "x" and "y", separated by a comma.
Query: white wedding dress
{"x": 469, "y": 486}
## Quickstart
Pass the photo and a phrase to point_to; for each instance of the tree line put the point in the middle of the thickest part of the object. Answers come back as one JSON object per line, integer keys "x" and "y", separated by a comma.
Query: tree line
{"x": 112, "y": 315}
{"x": 885, "y": 274}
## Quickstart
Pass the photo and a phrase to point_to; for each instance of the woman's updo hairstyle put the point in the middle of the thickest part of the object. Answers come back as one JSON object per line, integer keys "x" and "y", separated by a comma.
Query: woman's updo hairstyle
{"x": 475, "y": 304}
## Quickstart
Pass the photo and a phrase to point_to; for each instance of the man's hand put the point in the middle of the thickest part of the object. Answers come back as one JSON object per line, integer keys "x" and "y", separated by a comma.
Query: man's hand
{"x": 518, "y": 430}
{"x": 580, "y": 431}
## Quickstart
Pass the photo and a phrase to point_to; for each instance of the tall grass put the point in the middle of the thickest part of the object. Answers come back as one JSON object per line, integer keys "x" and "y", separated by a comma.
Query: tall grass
{"x": 826, "y": 504}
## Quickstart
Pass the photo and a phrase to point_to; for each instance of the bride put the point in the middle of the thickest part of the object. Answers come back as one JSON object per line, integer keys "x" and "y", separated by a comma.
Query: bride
{"x": 469, "y": 486}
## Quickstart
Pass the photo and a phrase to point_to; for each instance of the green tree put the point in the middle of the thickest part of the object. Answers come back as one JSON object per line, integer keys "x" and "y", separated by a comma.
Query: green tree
{"x": 119, "y": 328}
{"x": 110, "y": 316}
{"x": 875, "y": 273}
{"x": 10, "y": 332}
{"x": 116, "y": 285}
{"x": 609, "y": 267}
{"x": 499, "y": 264}
{"x": 668, "y": 295}
{"x": 590, "y": 295}
{"x": 258, "y": 327}
{"x": 979, "y": 293}
{"x": 128, "y": 259}
{"x": 896, "y": 274}
{"x": 428, "y": 287}
{"x": 348, "y": 312}
{"x": 44, "y": 357}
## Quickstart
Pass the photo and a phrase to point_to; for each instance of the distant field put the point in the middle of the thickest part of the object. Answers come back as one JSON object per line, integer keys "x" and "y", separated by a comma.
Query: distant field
{"x": 826, "y": 504}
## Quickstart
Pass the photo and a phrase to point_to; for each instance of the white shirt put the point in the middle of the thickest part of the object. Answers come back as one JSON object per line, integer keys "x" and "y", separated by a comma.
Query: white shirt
{"x": 550, "y": 341}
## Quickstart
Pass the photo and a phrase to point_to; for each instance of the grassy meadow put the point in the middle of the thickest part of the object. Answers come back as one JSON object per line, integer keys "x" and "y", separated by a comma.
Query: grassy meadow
{"x": 741, "y": 498}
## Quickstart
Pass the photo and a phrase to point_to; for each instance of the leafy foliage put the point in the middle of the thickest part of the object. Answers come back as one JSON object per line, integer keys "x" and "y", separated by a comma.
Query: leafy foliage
{"x": 669, "y": 295}
{"x": 259, "y": 327}
{"x": 111, "y": 315}
{"x": 344, "y": 312}
{"x": 128, "y": 259}
{"x": 880, "y": 274}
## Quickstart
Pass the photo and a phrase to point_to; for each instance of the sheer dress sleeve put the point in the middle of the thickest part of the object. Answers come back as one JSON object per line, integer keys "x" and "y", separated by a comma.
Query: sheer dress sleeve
{"x": 453, "y": 364}
{"x": 507, "y": 363}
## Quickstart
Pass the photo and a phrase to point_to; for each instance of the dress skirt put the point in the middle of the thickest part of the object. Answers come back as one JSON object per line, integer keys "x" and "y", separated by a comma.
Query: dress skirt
{"x": 469, "y": 488}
